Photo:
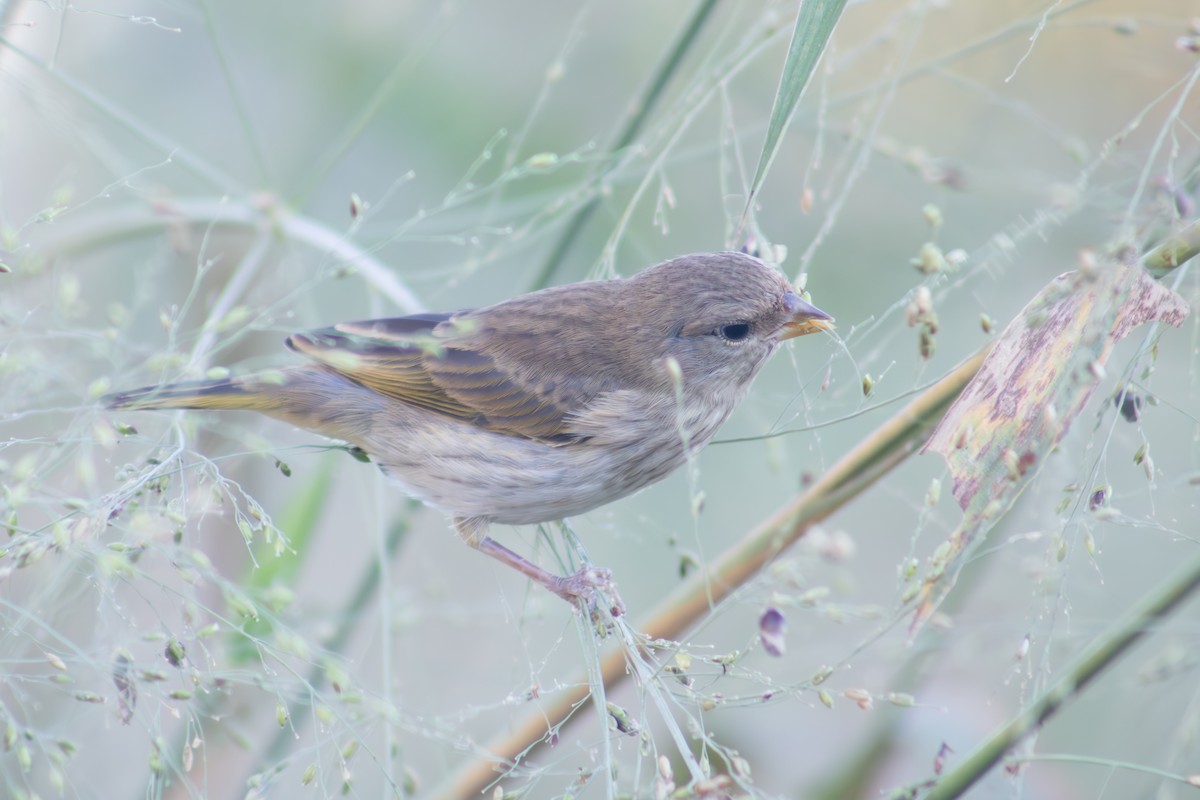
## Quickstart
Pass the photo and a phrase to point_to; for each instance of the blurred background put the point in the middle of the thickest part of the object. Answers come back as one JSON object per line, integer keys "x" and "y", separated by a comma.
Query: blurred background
{"x": 200, "y": 605}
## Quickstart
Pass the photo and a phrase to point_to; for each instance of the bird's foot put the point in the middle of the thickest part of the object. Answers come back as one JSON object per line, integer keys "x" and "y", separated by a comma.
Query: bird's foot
{"x": 593, "y": 586}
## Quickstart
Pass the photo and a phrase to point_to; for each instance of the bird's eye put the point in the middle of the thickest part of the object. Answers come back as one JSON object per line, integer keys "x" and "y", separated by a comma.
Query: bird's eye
{"x": 735, "y": 331}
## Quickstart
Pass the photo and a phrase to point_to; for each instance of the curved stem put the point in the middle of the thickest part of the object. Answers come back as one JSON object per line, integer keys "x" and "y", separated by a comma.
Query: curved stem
{"x": 87, "y": 232}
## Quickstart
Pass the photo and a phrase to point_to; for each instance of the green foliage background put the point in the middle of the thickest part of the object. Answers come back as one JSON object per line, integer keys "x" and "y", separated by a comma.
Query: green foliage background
{"x": 181, "y": 617}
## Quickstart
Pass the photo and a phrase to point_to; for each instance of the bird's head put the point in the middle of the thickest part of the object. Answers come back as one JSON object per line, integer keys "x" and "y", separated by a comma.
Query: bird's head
{"x": 721, "y": 315}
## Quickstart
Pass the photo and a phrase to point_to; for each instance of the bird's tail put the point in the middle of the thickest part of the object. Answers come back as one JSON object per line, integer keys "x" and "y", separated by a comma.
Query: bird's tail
{"x": 315, "y": 397}
{"x": 252, "y": 393}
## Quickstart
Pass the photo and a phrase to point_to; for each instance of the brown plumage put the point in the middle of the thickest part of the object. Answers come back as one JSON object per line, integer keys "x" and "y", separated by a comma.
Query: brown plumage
{"x": 539, "y": 407}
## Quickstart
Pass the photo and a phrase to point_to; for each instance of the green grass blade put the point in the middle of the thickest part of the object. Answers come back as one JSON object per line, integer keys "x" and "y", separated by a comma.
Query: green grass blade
{"x": 641, "y": 111}
{"x": 814, "y": 25}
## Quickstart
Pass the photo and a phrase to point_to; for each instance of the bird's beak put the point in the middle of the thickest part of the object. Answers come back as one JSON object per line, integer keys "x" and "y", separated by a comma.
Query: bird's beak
{"x": 804, "y": 318}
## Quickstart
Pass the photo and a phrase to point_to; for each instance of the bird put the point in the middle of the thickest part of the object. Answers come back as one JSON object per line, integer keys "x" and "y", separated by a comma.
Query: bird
{"x": 537, "y": 408}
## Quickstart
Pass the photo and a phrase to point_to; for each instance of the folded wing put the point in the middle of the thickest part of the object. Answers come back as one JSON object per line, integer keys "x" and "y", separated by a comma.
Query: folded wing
{"x": 436, "y": 362}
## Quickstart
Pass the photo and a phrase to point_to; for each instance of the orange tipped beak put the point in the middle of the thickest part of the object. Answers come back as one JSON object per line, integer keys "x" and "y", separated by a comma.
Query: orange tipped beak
{"x": 805, "y": 318}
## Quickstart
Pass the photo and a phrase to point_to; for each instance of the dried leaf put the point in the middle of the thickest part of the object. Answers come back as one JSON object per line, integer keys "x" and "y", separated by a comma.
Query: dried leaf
{"x": 1036, "y": 380}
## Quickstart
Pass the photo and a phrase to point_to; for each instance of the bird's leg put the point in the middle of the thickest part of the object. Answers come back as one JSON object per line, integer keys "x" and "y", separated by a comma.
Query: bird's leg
{"x": 583, "y": 584}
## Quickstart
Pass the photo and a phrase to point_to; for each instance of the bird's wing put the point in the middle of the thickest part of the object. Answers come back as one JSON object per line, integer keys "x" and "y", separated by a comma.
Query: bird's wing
{"x": 440, "y": 369}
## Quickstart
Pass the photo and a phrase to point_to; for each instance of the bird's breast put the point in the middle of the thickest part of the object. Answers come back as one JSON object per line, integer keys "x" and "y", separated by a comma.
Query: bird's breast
{"x": 625, "y": 444}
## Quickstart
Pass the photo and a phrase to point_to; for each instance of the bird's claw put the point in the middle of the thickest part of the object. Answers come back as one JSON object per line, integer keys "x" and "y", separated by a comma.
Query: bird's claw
{"x": 591, "y": 585}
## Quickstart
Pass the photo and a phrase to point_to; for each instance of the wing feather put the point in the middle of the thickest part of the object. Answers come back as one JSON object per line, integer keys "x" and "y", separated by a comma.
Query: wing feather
{"x": 434, "y": 363}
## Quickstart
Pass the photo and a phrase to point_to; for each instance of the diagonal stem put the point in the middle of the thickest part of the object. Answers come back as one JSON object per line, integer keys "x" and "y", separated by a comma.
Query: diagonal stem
{"x": 1101, "y": 655}
{"x": 888, "y": 446}
{"x": 640, "y": 113}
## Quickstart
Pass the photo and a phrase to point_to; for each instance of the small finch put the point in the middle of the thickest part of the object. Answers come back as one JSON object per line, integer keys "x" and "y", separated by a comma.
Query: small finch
{"x": 537, "y": 408}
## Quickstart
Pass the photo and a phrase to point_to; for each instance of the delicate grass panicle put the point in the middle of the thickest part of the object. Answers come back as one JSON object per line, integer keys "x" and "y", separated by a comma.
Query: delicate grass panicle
{"x": 997, "y": 201}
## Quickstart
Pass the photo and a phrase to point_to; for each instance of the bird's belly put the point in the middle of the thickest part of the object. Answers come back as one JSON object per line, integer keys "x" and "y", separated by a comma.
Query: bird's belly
{"x": 518, "y": 482}
{"x": 471, "y": 472}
